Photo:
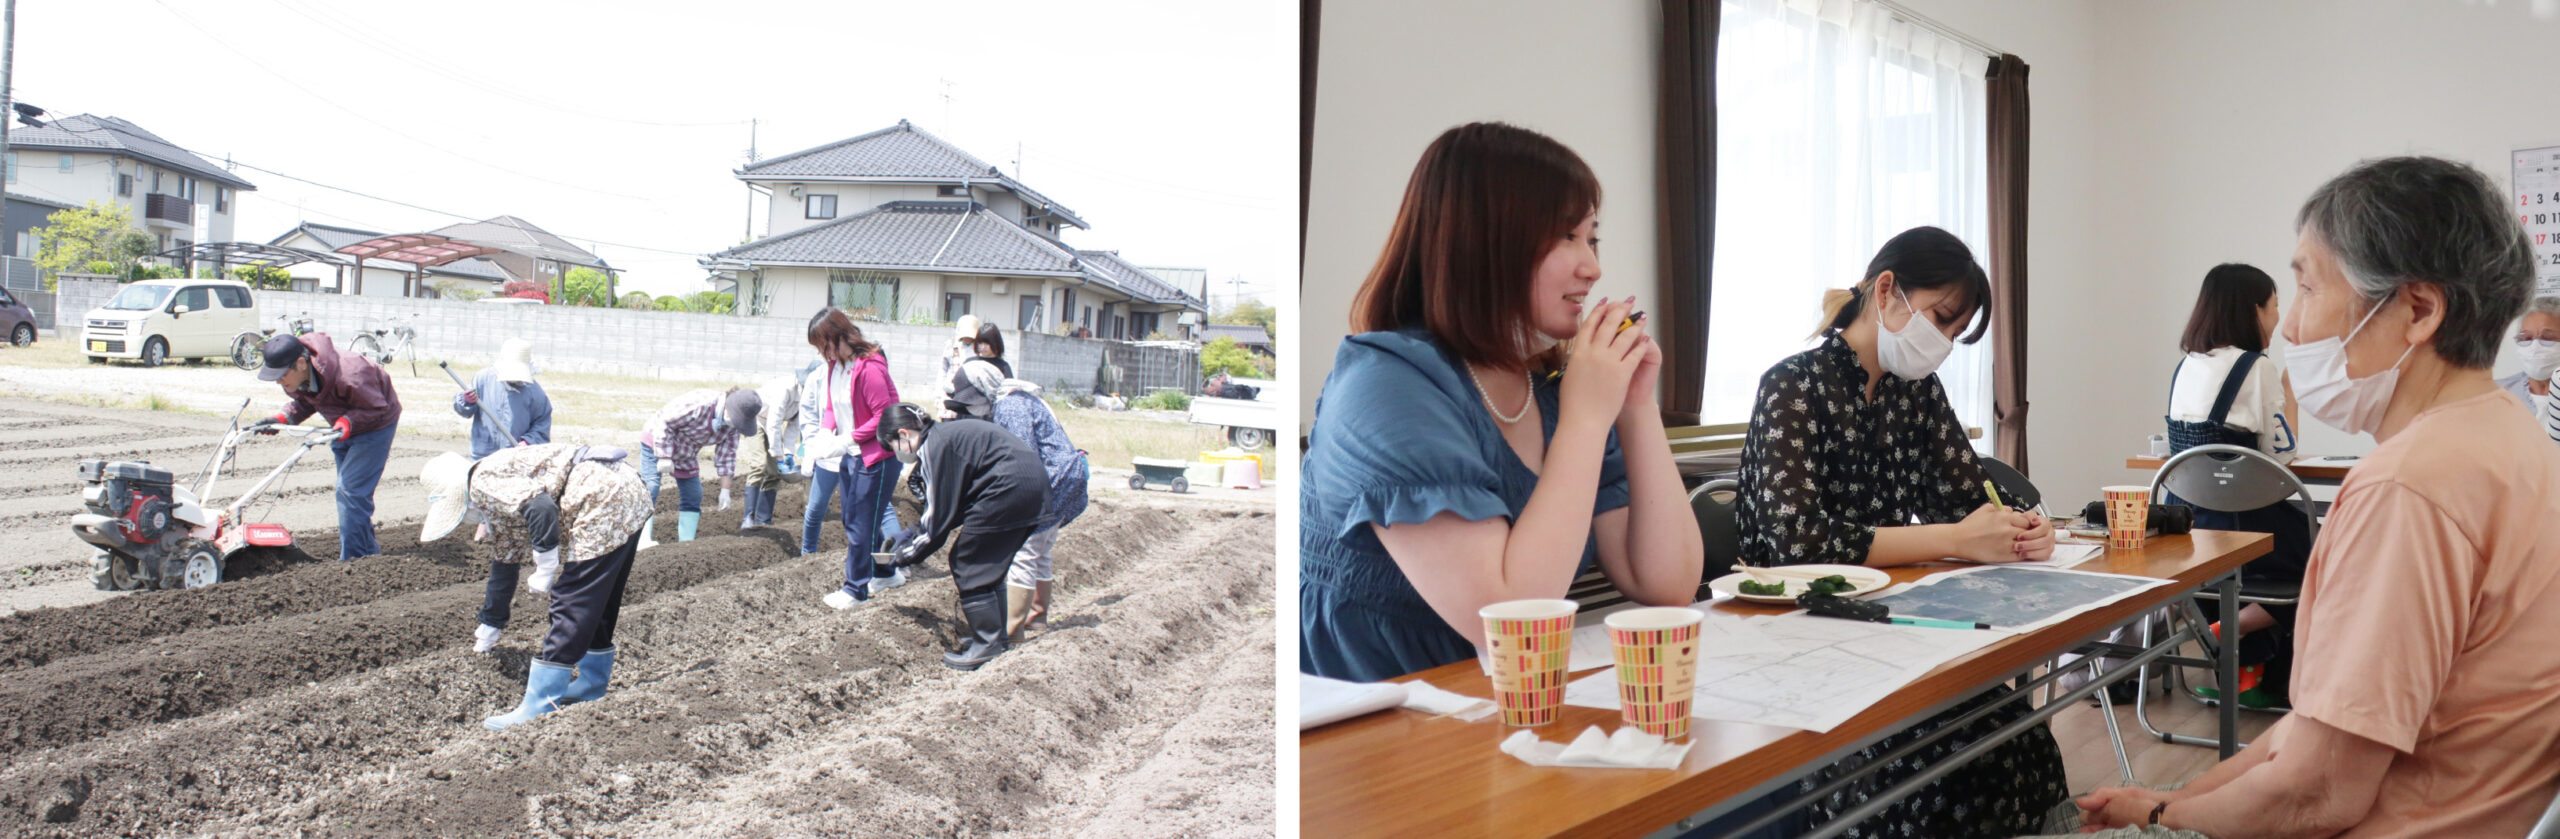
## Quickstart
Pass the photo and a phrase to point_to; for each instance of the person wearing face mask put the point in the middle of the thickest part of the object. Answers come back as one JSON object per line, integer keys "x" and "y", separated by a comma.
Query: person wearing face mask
{"x": 1855, "y": 456}
{"x": 985, "y": 492}
{"x": 715, "y": 418}
{"x": 2422, "y": 687}
{"x": 2538, "y": 344}
{"x": 1489, "y": 433}
{"x": 2226, "y": 391}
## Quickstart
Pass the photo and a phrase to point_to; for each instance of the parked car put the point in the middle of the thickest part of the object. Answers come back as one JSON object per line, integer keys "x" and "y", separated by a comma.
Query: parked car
{"x": 1243, "y": 407}
{"x": 157, "y": 320}
{"x": 16, "y": 320}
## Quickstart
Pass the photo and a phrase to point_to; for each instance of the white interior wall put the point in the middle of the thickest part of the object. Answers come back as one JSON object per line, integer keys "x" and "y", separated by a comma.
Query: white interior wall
{"x": 1394, "y": 75}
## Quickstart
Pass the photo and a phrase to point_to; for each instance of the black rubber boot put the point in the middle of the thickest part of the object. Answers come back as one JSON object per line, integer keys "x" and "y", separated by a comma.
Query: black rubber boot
{"x": 985, "y": 633}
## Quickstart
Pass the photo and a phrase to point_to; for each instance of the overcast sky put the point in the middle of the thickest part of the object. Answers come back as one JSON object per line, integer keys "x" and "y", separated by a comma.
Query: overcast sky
{"x": 1170, "y": 126}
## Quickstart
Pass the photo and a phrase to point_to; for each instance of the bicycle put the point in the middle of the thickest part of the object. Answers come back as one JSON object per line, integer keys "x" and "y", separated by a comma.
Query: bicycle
{"x": 248, "y": 349}
{"x": 401, "y": 335}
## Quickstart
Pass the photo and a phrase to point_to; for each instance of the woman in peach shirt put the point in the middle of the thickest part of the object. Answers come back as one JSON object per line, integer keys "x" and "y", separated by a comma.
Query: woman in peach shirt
{"x": 2426, "y": 700}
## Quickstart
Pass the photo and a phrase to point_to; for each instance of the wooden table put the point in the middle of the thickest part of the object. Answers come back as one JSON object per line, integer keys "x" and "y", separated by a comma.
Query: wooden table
{"x": 2315, "y": 474}
{"x": 1405, "y": 773}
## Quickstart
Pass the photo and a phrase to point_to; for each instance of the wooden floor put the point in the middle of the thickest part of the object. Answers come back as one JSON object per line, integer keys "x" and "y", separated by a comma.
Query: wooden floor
{"x": 2090, "y": 761}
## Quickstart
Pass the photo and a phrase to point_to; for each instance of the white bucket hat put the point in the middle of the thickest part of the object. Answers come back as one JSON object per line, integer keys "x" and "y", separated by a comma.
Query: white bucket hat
{"x": 515, "y": 361}
{"x": 448, "y": 481}
{"x": 967, "y": 327}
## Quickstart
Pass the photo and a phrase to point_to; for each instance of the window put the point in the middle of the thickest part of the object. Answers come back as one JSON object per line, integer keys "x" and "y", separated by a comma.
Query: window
{"x": 866, "y": 295}
{"x": 1088, "y": 317}
{"x": 952, "y": 191}
{"x": 233, "y": 297}
{"x": 821, "y": 206}
{"x": 187, "y": 188}
{"x": 12, "y": 164}
{"x": 222, "y": 199}
{"x": 954, "y": 305}
{"x": 1030, "y": 319}
{"x": 1144, "y": 323}
{"x": 65, "y": 165}
{"x": 1120, "y": 328}
{"x": 195, "y": 299}
{"x": 1834, "y": 133}
{"x": 1067, "y": 306}
{"x": 124, "y": 186}
{"x": 155, "y": 181}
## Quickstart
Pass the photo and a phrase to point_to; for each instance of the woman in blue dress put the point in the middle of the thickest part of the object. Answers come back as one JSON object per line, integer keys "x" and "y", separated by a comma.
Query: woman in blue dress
{"x": 1456, "y": 459}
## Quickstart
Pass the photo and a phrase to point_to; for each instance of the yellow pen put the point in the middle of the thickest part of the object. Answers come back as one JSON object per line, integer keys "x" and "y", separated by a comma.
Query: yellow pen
{"x": 1987, "y": 489}
{"x": 1629, "y": 322}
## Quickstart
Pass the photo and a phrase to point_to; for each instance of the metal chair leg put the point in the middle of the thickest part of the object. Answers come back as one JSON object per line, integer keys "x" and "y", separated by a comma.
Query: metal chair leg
{"x": 2115, "y": 736}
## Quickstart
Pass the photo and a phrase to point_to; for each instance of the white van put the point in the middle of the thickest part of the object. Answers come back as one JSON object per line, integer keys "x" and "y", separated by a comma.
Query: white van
{"x": 157, "y": 320}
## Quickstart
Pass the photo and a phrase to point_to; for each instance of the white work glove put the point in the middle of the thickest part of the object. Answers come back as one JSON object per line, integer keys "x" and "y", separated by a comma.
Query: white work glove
{"x": 724, "y": 498}
{"x": 481, "y": 535}
{"x": 546, "y": 569}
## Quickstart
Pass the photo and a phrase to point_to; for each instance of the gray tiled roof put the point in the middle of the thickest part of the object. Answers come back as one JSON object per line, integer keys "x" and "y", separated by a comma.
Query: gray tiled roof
{"x": 898, "y": 151}
{"x": 1108, "y": 268}
{"x": 86, "y": 133}
{"x": 1245, "y": 334}
{"x": 939, "y": 235}
{"x": 520, "y": 236}
{"x": 332, "y": 237}
{"x": 40, "y": 202}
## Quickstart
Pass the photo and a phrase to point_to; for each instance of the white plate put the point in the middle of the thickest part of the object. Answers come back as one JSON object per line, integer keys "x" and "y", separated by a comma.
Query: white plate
{"x": 1866, "y": 579}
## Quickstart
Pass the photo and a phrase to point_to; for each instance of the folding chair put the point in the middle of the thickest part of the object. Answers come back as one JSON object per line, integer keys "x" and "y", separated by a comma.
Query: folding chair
{"x": 2230, "y": 479}
{"x": 1712, "y": 503}
{"x": 2548, "y": 827}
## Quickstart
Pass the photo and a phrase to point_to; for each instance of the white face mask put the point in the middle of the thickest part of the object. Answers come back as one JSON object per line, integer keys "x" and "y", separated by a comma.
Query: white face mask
{"x": 905, "y": 450}
{"x": 2325, "y": 390}
{"x": 1917, "y": 350}
{"x": 2540, "y": 358}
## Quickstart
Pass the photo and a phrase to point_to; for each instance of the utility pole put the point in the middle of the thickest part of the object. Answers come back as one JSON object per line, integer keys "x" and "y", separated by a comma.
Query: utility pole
{"x": 9, "y": 111}
{"x": 1236, "y": 280}
{"x": 750, "y": 234}
{"x": 946, "y": 104}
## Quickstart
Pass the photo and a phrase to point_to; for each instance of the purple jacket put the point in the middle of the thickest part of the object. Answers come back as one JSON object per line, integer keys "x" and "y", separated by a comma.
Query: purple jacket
{"x": 351, "y": 386}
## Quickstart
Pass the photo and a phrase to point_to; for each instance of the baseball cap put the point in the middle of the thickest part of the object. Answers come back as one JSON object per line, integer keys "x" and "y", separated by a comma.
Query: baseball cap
{"x": 281, "y": 350}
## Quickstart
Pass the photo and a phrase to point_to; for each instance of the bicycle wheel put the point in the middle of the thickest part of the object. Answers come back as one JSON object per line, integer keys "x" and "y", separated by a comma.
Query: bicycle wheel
{"x": 248, "y": 351}
{"x": 369, "y": 347}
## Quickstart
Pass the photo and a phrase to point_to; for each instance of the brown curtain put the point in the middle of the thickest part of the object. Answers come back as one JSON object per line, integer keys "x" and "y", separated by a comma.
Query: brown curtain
{"x": 1689, "y": 195}
{"x": 2006, "y": 87}
{"x": 1309, "y": 13}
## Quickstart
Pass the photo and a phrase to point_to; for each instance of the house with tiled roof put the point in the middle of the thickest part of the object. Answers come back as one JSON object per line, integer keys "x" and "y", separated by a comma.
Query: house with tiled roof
{"x": 173, "y": 194}
{"x": 382, "y": 277}
{"x": 899, "y": 225}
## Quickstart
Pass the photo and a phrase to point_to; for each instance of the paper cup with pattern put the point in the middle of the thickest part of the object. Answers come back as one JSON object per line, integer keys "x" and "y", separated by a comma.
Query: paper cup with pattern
{"x": 2128, "y": 516}
{"x": 1657, "y": 654}
{"x": 1529, "y": 642}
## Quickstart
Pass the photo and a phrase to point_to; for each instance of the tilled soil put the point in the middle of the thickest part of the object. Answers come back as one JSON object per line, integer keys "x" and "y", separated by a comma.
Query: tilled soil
{"x": 342, "y": 699}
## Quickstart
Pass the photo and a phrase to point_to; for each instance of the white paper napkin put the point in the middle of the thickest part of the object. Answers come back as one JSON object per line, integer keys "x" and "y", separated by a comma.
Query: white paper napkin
{"x": 1421, "y": 696}
{"x": 1630, "y": 748}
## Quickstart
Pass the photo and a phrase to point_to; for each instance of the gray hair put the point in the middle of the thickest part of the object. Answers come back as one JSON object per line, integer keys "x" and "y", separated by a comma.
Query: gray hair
{"x": 2545, "y": 306}
{"x": 2401, "y": 220}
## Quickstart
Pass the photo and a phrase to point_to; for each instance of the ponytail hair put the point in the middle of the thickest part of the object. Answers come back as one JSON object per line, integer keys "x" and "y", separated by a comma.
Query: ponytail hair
{"x": 901, "y": 417}
{"x": 1920, "y": 258}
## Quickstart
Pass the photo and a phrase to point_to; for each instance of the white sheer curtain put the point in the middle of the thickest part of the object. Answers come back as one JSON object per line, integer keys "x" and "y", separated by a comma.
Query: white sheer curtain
{"x": 1838, "y": 125}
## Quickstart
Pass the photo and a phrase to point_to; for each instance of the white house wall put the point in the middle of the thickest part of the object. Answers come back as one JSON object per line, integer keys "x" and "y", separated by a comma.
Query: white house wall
{"x": 786, "y": 213}
{"x": 93, "y": 178}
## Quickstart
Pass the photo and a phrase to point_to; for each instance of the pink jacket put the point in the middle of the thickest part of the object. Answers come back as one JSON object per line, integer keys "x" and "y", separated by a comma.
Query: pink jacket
{"x": 873, "y": 393}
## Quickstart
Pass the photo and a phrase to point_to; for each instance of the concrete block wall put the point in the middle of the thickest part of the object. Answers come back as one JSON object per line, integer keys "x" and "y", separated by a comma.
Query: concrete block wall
{"x": 75, "y": 295}
{"x": 694, "y": 347}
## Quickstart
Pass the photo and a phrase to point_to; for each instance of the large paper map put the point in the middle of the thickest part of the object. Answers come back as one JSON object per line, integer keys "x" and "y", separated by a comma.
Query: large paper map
{"x": 2008, "y": 598}
{"x": 1802, "y": 671}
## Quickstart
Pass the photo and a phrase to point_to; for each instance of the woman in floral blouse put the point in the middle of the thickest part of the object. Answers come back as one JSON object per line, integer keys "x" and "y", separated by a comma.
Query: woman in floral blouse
{"x": 1855, "y": 457}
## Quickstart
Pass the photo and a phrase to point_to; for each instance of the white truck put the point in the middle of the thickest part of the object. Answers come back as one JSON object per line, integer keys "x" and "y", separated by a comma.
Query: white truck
{"x": 1250, "y": 423}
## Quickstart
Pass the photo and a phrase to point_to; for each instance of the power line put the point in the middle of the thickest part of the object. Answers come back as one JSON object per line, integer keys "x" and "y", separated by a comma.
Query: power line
{"x": 368, "y": 195}
{"x": 396, "y": 50}
{"x": 244, "y": 55}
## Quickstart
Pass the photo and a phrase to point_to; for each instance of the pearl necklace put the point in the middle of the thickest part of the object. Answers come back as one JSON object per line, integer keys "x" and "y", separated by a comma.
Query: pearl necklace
{"x": 1487, "y": 396}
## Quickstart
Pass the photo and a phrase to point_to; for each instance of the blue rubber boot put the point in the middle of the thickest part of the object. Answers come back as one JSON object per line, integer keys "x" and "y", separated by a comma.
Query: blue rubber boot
{"x": 685, "y": 525}
{"x": 543, "y": 686}
{"x": 594, "y": 673}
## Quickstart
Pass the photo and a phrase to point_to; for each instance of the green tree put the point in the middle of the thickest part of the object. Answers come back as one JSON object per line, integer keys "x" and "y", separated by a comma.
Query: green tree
{"x": 587, "y": 287}
{"x": 671, "y": 303}
{"x": 711, "y": 302}
{"x": 1223, "y": 356}
{"x": 74, "y": 239}
{"x": 263, "y": 276}
{"x": 639, "y": 300}
{"x": 1253, "y": 312}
